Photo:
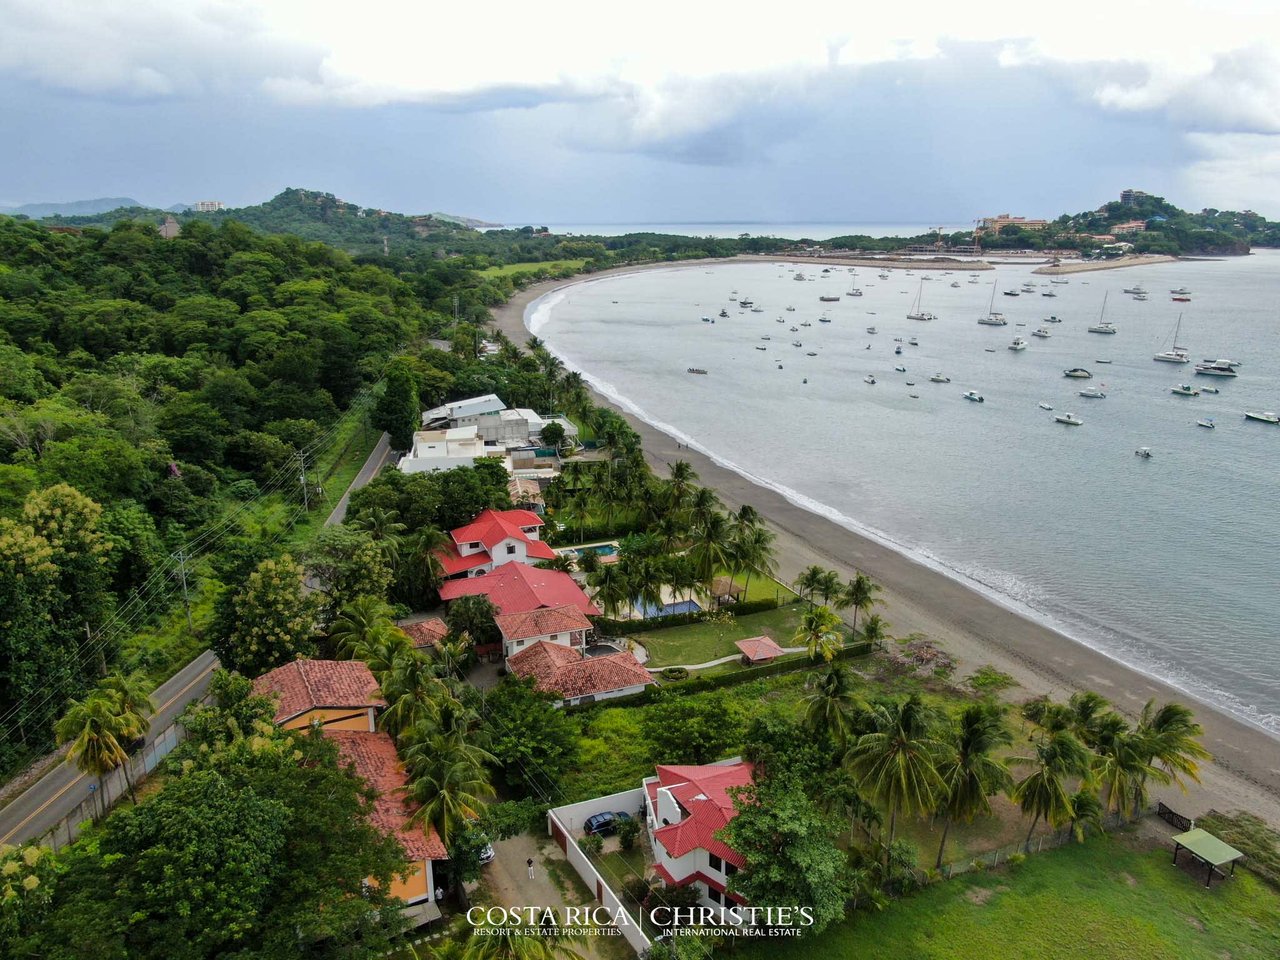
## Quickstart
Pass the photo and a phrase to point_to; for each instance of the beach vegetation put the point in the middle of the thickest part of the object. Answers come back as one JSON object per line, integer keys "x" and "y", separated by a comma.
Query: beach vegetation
{"x": 988, "y": 680}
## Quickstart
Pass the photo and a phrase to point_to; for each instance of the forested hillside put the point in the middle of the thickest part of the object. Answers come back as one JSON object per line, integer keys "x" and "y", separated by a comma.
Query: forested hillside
{"x": 149, "y": 390}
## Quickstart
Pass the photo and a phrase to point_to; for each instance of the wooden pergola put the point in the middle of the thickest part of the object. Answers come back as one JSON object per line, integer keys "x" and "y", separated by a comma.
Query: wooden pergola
{"x": 726, "y": 590}
{"x": 1208, "y": 849}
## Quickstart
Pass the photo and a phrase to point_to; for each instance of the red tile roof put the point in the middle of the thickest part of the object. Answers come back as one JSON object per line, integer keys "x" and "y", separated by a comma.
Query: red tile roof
{"x": 490, "y": 528}
{"x": 426, "y": 633}
{"x": 566, "y": 673}
{"x": 711, "y": 882}
{"x": 759, "y": 648}
{"x": 374, "y": 757}
{"x": 541, "y": 622}
{"x": 518, "y": 588}
{"x": 703, "y": 792}
{"x": 452, "y": 562}
{"x": 304, "y": 685}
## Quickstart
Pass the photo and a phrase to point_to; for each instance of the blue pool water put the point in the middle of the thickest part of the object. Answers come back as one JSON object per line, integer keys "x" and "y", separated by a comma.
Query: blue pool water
{"x": 667, "y": 609}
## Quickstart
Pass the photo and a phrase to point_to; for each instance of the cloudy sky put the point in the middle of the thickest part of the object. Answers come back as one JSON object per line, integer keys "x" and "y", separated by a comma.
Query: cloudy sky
{"x": 588, "y": 112}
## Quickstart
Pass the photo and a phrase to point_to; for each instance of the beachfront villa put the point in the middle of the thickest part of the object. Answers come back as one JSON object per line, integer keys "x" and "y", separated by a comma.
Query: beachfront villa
{"x": 494, "y": 421}
{"x": 518, "y": 588}
{"x": 684, "y": 808}
{"x": 564, "y": 626}
{"x": 574, "y": 677}
{"x": 449, "y": 448}
{"x": 493, "y": 538}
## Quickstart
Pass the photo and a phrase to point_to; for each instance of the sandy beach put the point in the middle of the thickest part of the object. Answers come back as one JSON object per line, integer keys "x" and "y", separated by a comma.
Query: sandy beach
{"x": 1092, "y": 266}
{"x": 885, "y": 262}
{"x": 975, "y": 630}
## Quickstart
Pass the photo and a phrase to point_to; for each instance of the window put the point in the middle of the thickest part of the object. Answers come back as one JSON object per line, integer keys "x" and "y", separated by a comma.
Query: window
{"x": 554, "y": 637}
{"x": 474, "y": 546}
{"x": 716, "y": 864}
{"x": 730, "y": 869}
{"x": 714, "y": 895}
{"x": 519, "y": 643}
{"x": 511, "y": 548}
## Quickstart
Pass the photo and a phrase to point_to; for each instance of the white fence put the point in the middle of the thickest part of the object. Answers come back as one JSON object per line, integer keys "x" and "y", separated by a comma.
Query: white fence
{"x": 565, "y": 826}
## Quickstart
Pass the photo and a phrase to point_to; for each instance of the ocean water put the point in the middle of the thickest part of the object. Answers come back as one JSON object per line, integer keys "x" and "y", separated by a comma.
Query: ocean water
{"x": 793, "y": 231}
{"x": 1170, "y": 564}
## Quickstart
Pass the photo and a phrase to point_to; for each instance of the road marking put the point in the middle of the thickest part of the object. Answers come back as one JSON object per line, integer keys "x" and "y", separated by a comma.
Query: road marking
{"x": 40, "y": 809}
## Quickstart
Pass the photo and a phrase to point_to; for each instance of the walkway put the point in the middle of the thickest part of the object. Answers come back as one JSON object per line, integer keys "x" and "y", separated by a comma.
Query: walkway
{"x": 715, "y": 663}
{"x": 57, "y": 794}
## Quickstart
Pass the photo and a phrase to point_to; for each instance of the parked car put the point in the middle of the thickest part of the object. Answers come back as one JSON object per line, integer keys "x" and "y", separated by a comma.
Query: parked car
{"x": 604, "y": 823}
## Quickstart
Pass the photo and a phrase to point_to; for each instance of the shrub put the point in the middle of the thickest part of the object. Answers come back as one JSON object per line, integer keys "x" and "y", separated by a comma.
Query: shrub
{"x": 987, "y": 679}
{"x": 636, "y": 889}
{"x": 591, "y": 844}
{"x": 628, "y": 832}
{"x": 1015, "y": 858}
{"x": 243, "y": 489}
{"x": 675, "y": 673}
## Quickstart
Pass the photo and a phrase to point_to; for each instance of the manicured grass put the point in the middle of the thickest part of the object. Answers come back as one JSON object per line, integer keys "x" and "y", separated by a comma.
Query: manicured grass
{"x": 700, "y": 642}
{"x": 549, "y": 265}
{"x": 1112, "y": 897}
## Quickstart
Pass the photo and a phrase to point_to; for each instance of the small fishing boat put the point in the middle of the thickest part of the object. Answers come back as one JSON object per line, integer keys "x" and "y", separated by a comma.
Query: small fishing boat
{"x": 762, "y": 348}
{"x": 939, "y": 378}
{"x": 1044, "y": 406}
{"x": 1143, "y": 453}
{"x": 973, "y": 396}
{"x": 1101, "y": 361}
{"x": 900, "y": 368}
{"x": 1068, "y": 419}
{"x": 869, "y": 379}
{"x": 911, "y": 383}
{"x": 1185, "y": 390}
{"x": 898, "y": 350}
{"x": 871, "y": 330}
{"x": 1208, "y": 389}
{"x": 1040, "y": 332}
{"x": 1181, "y": 299}
{"x": 1018, "y": 344}
{"x": 810, "y": 354}
{"x": 1207, "y": 423}
{"x": 1053, "y": 318}
{"x": 706, "y": 319}
{"x": 1093, "y": 393}
{"x": 1266, "y": 417}
{"x": 696, "y": 370}
{"x": 1077, "y": 373}
{"x": 791, "y": 309}
{"x": 724, "y": 313}
{"x": 912, "y": 342}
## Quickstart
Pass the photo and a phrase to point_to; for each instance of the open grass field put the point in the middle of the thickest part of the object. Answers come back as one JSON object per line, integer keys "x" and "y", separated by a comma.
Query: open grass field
{"x": 1115, "y": 896}
{"x": 509, "y": 268}
{"x": 700, "y": 642}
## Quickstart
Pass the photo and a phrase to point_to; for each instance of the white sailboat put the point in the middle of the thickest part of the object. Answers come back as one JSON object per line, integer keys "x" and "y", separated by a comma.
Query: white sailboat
{"x": 993, "y": 319}
{"x": 1177, "y": 354}
{"x": 916, "y": 312}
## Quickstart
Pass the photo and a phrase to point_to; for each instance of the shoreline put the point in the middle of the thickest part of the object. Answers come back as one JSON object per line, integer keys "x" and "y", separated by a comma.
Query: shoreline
{"x": 1093, "y": 266}
{"x": 973, "y": 628}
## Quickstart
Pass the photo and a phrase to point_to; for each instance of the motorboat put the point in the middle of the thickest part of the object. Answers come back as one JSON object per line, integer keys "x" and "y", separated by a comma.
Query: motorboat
{"x": 1018, "y": 344}
{"x": 724, "y": 313}
{"x": 1104, "y": 327}
{"x": 779, "y": 320}
{"x": 1180, "y": 291}
{"x": 1135, "y": 289}
{"x": 1180, "y": 299}
{"x": 988, "y": 349}
{"x": 1040, "y": 332}
{"x": 805, "y": 323}
{"x": 1047, "y": 293}
{"x": 939, "y": 378}
{"x": 900, "y": 369}
{"x": 1100, "y": 360}
{"x": 757, "y": 309}
{"x": 1045, "y": 406}
{"x": 1207, "y": 422}
{"x": 911, "y": 383}
{"x": 1077, "y": 373}
{"x": 811, "y": 354}
{"x": 796, "y": 343}
{"x": 1053, "y": 318}
{"x": 794, "y": 329}
{"x": 824, "y": 319}
{"x": 798, "y": 276}
{"x": 898, "y": 350}
{"x": 1055, "y": 280}
{"x": 855, "y": 292}
{"x": 1267, "y": 417}
{"x": 697, "y": 370}
{"x": 883, "y": 276}
{"x": 761, "y": 348}
{"x": 914, "y": 396}
{"x": 912, "y": 342}
{"x": 1140, "y": 296}
{"x": 1185, "y": 390}
{"x": 706, "y": 319}
{"x": 955, "y": 283}
{"x": 1012, "y": 293}
{"x": 869, "y": 379}
{"x": 1215, "y": 369}
{"x": 1143, "y": 453}
{"x": 1208, "y": 389}
{"x": 766, "y": 338}
{"x": 1093, "y": 393}
{"x": 791, "y": 309}
{"x": 835, "y": 299}
{"x": 974, "y": 396}
{"x": 871, "y": 330}
{"x": 1069, "y": 419}
{"x": 744, "y": 303}
{"x": 1223, "y": 363}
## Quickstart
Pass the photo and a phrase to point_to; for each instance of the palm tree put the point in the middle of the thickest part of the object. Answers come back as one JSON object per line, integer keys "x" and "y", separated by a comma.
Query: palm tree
{"x": 406, "y": 687}
{"x": 612, "y": 592}
{"x": 832, "y": 704}
{"x": 840, "y": 795}
{"x": 1120, "y": 763}
{"x": 383, "y": 649}
{"x": 133, "y": 698}
{"x": 820, "y": 632}
{"x": 1043, "y": 792}
{"x": 751, "y": 551}
{"x": 860, "y": 595}
{"x": 710, "y": 549}
{"x": 94, "y": 729}
{"x": 679, "y": 487}
{"x": 970, "y": 774}
{"x": 420, "y": 568}
{"x": 897, "y": 760}
{"x": 1085, "y": 707}
{"x": 447, "y": 778}
{"x": 875, "y": 630}
{"x": 549, "y": 943}
{"x": 359, "y": 622}
{"x": 1086, "y": 811}
{"x": 385, "y": 528}
{"x": 809, "y": 581}
{"x": 1170, "y": 739}
{"x": 829, "y": 586}
{"x": 703, "y": 505}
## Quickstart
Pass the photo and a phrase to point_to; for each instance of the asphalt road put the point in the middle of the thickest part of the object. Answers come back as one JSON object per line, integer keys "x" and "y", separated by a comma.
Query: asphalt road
{"x": 44, "y": 804}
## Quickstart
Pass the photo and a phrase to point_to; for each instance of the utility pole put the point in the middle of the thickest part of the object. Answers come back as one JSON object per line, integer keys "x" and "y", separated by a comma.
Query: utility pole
{"x": 186, "y": 599}
{"x": 302, "y": 475}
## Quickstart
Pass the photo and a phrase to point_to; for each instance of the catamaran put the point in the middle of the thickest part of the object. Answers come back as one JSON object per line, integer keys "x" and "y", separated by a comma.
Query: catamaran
{"x": 916, "y": 312}
{"x": 993, "y": 319}
{"x": 1177, "y": 354}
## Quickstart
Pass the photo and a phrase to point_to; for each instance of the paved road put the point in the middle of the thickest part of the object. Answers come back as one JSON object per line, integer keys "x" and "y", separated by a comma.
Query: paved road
{"x": 55, "y": 795}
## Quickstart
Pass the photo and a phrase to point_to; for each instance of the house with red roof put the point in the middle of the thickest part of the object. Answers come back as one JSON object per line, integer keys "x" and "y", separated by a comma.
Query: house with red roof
{"x": 374, "y": 759}
{"x": 334, "y": 694}
{"x": 565, "y": 625}
{"x": 519, "y": 588}
{"x": 685, "y": 806}
{"x": 573, "y": 677}
{"x": 494, "y": 538}
{"x": 426, "y": 633}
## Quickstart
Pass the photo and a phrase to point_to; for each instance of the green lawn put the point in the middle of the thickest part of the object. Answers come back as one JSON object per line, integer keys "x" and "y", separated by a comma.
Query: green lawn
{"x": 1108, "y": 898}
{"x": 510, "y": 268}
{"x": 700, "y": 642}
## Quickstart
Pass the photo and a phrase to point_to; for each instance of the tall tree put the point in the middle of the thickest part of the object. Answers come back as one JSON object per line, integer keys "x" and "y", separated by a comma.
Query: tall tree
{"x": 832, "y": 705}
{"x": 1043, "y": 792}
{"x": 819, "y": 631}
{"x": 96, "y": 733}
{"x": 274, "y": 620}
{"x": 447, "y": 777}
{"x": 859, "y": 594}
{"x": 968, "y": 769}
{"x": 398, "y": 411}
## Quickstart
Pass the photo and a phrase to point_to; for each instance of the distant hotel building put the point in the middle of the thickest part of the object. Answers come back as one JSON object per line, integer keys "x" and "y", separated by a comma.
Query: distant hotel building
{"x": 209, "y": 206}
{"x": 1132, "y": 197}
{"x": 997, "y": 223}
{"x": 1133, "y": 226}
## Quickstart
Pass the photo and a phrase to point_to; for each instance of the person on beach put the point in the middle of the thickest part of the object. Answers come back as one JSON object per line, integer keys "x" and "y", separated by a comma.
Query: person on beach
{"x": 529, "y": 863}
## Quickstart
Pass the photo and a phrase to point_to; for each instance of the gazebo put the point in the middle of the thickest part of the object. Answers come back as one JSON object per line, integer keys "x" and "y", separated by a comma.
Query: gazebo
{"x": 1208, "y": 849}
{"x": 726, "y": 590}
{"x": 759, "y": 650}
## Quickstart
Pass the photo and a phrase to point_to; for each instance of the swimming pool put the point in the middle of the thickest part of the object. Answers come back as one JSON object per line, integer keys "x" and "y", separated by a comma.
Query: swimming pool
{"x": 647, "y": 611}
{"x": 600, "y": 550}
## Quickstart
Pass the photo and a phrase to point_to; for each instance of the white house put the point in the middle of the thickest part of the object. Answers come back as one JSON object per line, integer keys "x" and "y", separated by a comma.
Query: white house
{"x": 497, "y": 423}
{"x": 685, "y": 806}
{"x": 459, "y": 412}
{"x": 567, "y": 626}
{"x": 493, "y": 538}
{"x": 446, "y": 449}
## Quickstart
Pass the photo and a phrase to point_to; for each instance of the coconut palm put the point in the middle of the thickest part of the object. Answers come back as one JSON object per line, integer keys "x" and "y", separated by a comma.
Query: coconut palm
{"x": 547, "y": 944}
{"x": 820, "y": 632}
{"x": 969, "y": 772}
{"x": 829, "y": 586}
{"x": 406, "y": 687}
{"x": 809, "y": 581}
{"x": 840, "y": 795}
{"x": 358, "y": 623}
{"x": 897, "y": 761}
{"x": 832, "y": 704}
{"x": 711, "y": 546}
{"x": 133, "y": 699}
{"x": 1170, "y": 737}
{"x": 612, "y": 592}
{"x": 703, "y": 505}
{"x": 751, "y": 552}
{"x": 385, "y": 528}
{"x": 1120, "y": 761}
{"x": 875, "y": 630}
{"x": 447, "y": 778}
{"x": 1086, "y": 811}
{"x": 859, "y": 594}
{"x": 1085, "y": 708}
{"x": 419, "y": 568}
{"x": 1059, "y": 757}
{"x": 94, "y": 730}
{"x": 681, "y": 482}
{"x": 383, "y": 649}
